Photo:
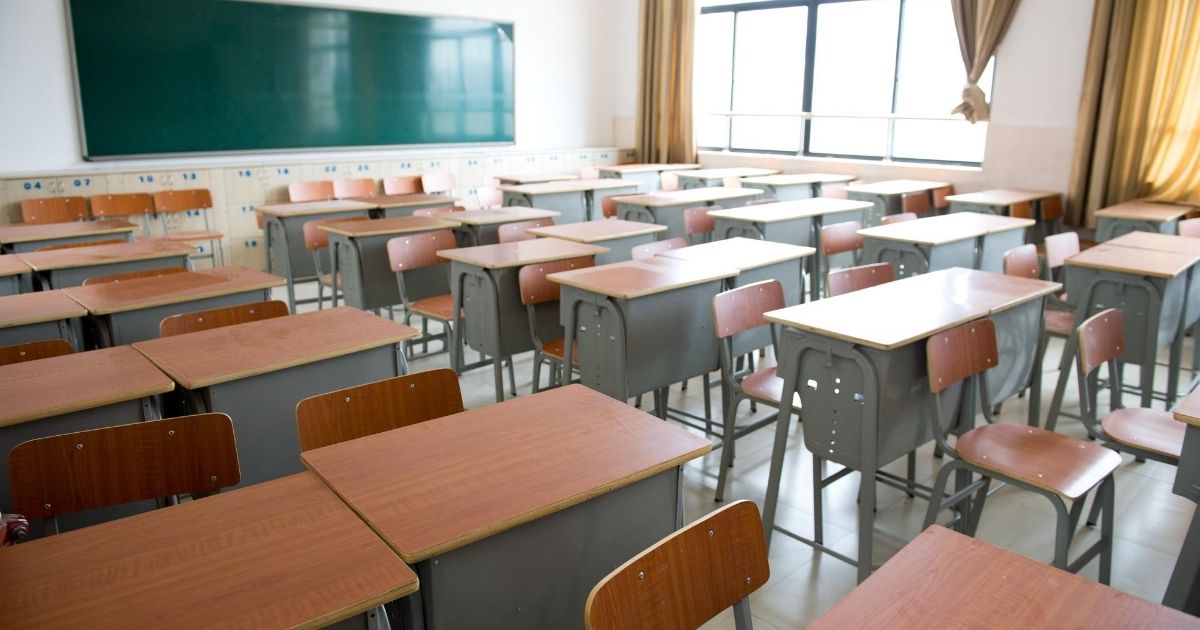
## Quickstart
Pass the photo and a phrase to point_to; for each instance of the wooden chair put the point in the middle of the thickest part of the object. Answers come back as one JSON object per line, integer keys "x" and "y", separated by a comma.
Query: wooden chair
{"x": 889, "y": 219}
{"x": 53, "y": 210}
{"x": 34, "y": 350}
{"x": 513, "y": 232}
{"x": 1190, "y": 228}
{"x": 417, "y": 253}
{"x": 1052, "y": 213}
{"x": 940, "y": 203}
{"x": 853, "y": 279}
{"x": 402, "y": 185}
{"x": 317, "y": 242}
{"x": 316, "y": 190}
{"x": 438, "y": 183}
{"x": 363, "y": 410}
{"x": 1021, "y": 210}
{"x": 536, "y": 291}
{"x": 1058, "y": 319}
{"x": 105, "y": 467}
{"x": 107, "y": 241}
{"x": 698, "y": 224}
{"x": 916, "y": 202}
{"x": 195, "y": 200}
{"x": 608, "y": 206}
{"x": 124, "y": 205}
{"x": 489, "y": 196}
{"x": 687, "y": 578}
{"x": 194, "y": 321}
{"x": 650, "y": 250}
{"x": 668, "y": 181}
{"x": 841, "y": 245}
{"x": 131, "y": 275}
{"x": 347, "y": 187}
{"x": 1060, "y": 247}
{"x": 1056, "y": 466}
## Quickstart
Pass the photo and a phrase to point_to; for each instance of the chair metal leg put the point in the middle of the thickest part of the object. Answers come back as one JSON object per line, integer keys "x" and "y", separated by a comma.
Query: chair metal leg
{"x": 1108, "y": 492}
{"x": 512, "y": 377}
{"x": 977, "y": 506}
{"x": 912, "y": 473}
{"x": 498, "y": 376}
{"x": 818, "y": 503}
{"x": 727, "y": 441}
{"x": 537, "y": 372}
{"x": 707, "y": 402}
{"x": 1094, "y": 513}
{"x": 1062, "y": 533}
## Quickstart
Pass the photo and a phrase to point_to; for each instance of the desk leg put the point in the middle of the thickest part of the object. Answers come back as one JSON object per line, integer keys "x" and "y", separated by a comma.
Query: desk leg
{"x": 1182, "y": 592}
{"x": 335, "y": 265}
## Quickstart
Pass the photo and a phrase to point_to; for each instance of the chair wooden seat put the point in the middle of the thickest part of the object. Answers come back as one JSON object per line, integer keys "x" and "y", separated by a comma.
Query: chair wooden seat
{"x": 327, "y": 279}
{"x": 765, "y": 385}
{"x": 555, "y": 347}
{"x": 1061, "y": 323}
{"x": 1148, "y": 429}
{"x": 440, "y": 307}
{"x": 1051, "y": 461}
{"x": 193, "y": 235}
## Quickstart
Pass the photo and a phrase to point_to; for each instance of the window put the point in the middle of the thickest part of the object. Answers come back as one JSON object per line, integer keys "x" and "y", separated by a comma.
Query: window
{"x": 870, "y": 79}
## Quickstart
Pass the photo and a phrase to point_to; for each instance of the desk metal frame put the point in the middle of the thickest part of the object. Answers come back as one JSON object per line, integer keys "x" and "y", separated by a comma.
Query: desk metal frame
{"x": 1108, "y": 228}
{"x": 25, "y": 247}
{"x": 362, "y": 272}
{"x": 74, "y": 276}
{"x": 140, "y": 324}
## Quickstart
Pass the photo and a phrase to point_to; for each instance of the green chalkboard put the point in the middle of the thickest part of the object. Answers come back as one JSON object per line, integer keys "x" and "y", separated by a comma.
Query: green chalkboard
{"x": 199, "y": 76}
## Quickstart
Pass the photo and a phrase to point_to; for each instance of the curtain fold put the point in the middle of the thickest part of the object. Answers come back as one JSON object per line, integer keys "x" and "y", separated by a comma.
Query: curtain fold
{"x": 665, "y": 81}
{"x": 981, "y": 25}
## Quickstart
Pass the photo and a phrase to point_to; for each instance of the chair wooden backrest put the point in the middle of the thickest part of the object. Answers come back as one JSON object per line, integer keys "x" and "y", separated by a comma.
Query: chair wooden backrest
{"x": 438, "y": 183}
{"x": 835, "y": 191}
{"x": 316, "y": 190}
{"x": 433, "y": 212}
{"x": 916, "y": 202}
{"x": 354, "y": 187}
{"x": 34, "y": 350}
{"x": 363, "y": 410}
{"x": 589, "y": 172}
{"x": 1190, "y": 228}
{"x": 939, "y": 196}
{"x": 489, "y": 196}
{"x": 194, "y": 321}
{"x": 131, "y": 275}
{"x": 687, "y": 578}
{"x": 316, "y": 239}
{"x": 536, "y": 289}
{"x": 513, "y": 232}
{"x": 1022, "y": 261}
{"x": 901, "y": 217}
{"x": 414, "y": 251}
{"x": 853, "y": 279}
{"x": 107, "y": 241}
{"x": 1021, "y": 210}
{"x": 402, "y": 185}
{"x": 123, "y": 205}
{"x": 960, "y": 353}
{"x": 698, "y": 221}
{"x": 608, "y": 206}
{"x": 1052, "y": 207}
{"x": 668, "y": 181}
{"x": 841, "y": 237}
{"x": 79, "y": 471}
{"x": 182, "y": 200}
{"x": 53, "y": 210}
{"x": 650, "y": 250}
{"x": 1101, "y": 339}
{"x": 741, "y": 309}
{"x": 1060, "y": 247}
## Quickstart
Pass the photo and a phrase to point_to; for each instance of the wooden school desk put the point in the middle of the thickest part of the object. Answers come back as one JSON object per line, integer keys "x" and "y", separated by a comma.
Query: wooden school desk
{"x": 20, "y": 237}
{"x": 1144, "y": 216}
{"x": 886, "y": 195}
{"x": 14, "y": 275}
{"x": 75, "y": 392}
{"x": 512, "y": 512}
{"x": 130, "y": 310}
{"x": 794, "y": 185}
{"x": 483, "y": 280}
{"x": 536, "y": 178}
{"x": 61, "y": 268}
{"x": 857, "y": 362}
{"x": 640, "y": 325}
{"x": 576, "y": 199}
{"x": 648, "y": 176}
{"x": 797, "y": 222}
{"x": 390, "y": 206}
{"x": 482, "y": 227}
{"x": 997, "y": 201}
{"x": 1183, "y": 591}
{"x": 666, "y": 207}
{"x": 963, "y": 239}
{"x": 715, "y": 177}
{"x": 358, "y": 255}
{"x": 618, "y": 236}
{"x": 257, "y": 372}
{"x": 754, "y": 261}
{"x": 40, "y": 316}
{"x": 283, "y": 554}
{"x": 943, "y": 579}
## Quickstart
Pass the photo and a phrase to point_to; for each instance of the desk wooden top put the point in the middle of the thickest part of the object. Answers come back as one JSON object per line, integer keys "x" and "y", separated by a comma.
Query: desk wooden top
{"x": 285, "y": 553}
{"x": 598, "y": 230}
{"x": 535, "y": 179}
{"x": 405, "y": 200}
{"x": 1145, "y": 211}
{"x": 105, "y": 254}
{"x": 1188, "y": 410}
{"x": 636, "y": 278}
{"x": 735, "y": 171}
{"x": 994, "y": 292}
{"x": 173, "y": 288}
{"x": 692, "y": 195}
{"x": 492, "y": 216}
{"x": 799, "y": 179}
{"x": 790, "y": 210}
{"x": 740, "y": 253}
{"x": 520, "y": 253}
{"x": 646, "y": 168}
{"x": 566, "y": 186}
{"x": 943, "y": 579}
{"x": 24, "y": 233}
{"x": 74, "y": 382}
{"x": 896, "y": 186}
{"x": 393, "y": 225}
{"x": 930, "y": 230}
{"x": 1132, "y": 260}
{"x": 1001, "y": 196}
{"x": 37, "y": 307}
{"x": 1157, "y": 241}
{"x": 210, "y": 357}
{"x": 305, "y": 208}
{"x": 13, "y": 265}
{"x": 443, "y": 484}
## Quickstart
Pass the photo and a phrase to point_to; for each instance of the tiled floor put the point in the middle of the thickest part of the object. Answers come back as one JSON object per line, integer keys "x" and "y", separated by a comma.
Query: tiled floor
{"x": 1150, "y": 527}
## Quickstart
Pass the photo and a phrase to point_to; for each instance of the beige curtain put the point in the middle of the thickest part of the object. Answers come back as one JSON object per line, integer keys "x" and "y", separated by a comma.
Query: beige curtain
{"x": 981, "y": 25}
{"x": 665, "y": 93}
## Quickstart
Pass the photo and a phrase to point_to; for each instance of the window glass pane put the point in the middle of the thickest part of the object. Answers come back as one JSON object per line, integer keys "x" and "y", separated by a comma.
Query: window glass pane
{"x": 711, "y": 83}
{"x": 854, "y": 69}
{"x": 950, "y": 140}
{"x": 769, "y": 77}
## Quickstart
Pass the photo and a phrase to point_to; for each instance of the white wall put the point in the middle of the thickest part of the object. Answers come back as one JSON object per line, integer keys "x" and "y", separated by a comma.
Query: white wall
{"x": 575, "y": 84}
